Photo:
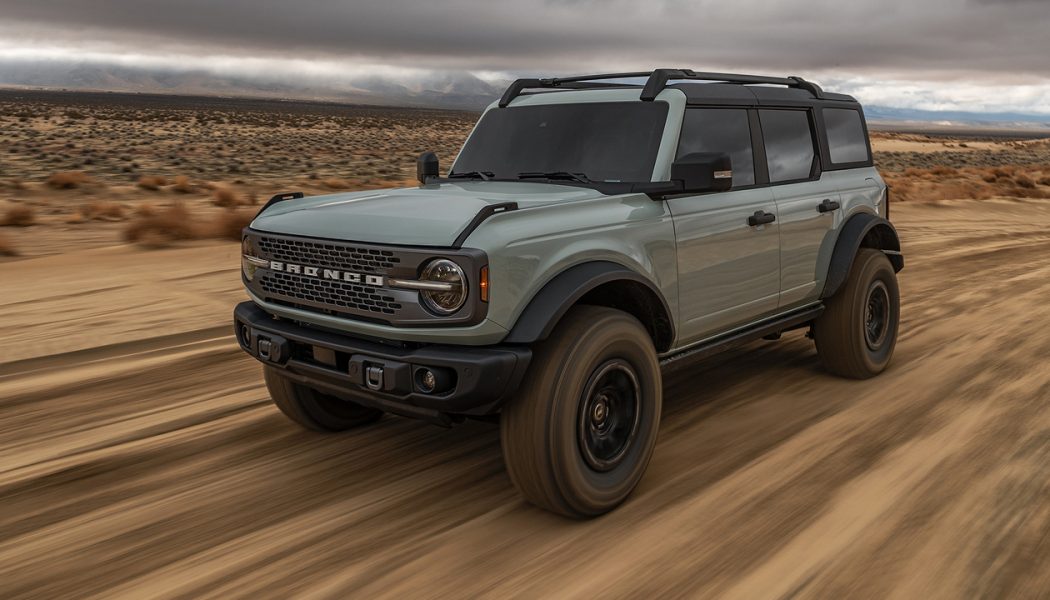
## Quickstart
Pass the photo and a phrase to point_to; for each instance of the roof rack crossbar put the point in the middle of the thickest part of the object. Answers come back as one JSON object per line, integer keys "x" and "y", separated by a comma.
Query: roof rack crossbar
{"x": 656, "y": 81}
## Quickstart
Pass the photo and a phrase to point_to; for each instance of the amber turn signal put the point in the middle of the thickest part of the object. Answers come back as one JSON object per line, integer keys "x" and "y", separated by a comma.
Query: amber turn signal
{"x": 483, "y": 282}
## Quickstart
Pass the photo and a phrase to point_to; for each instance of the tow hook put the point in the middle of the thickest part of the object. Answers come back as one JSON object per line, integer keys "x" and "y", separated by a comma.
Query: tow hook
{"x": 374, "y": 377}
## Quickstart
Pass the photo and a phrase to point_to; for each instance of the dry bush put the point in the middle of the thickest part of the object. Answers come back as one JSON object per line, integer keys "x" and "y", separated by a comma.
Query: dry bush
{"x": 6, "y": 247}
{"x": 916, "y": 173}
{"x": 103, "y": 210}
{"x": 225, "y": 197}
{"x": 67, "y": 180}
{"x": 335, "y": 183}
{"x": 152, "y": 182}
{"x": 1020, "y": 192}
{"x": 19, "y": 215}
{"x": 944, "y": 171}
{"x": 162, "y": 228}
{"x": 1024, "y": 181}
{"x": 989, "y": 177}
{"x": 1044, "y": 180}
{"x": 182, "y": 185}
{"x": 230, "y": 224}
{"x": 1004, "y": 171}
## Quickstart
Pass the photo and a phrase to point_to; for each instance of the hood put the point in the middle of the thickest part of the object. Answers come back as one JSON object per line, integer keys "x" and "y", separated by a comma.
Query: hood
{"x": 431, "y": 215}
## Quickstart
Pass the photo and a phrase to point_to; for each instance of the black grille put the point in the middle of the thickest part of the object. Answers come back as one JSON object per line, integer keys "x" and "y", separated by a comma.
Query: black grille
{"x": 335, "y": 256}
{"x": 338, "y": 295}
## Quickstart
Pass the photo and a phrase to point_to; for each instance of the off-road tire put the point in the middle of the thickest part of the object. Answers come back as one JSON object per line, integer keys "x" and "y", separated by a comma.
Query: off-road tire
{"x": 552, "y": 440}
{"x": 314, "y": 410}
{"x": 843, "y": 335}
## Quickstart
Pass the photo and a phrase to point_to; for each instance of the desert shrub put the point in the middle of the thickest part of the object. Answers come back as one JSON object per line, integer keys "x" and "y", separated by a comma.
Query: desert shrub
{"x": 6, "y": 247}
{"x": 19, "y": 215}
{"x": 66, "y": 180}
{"x": 231, "y": 222}
{"x": 1024, "y": 181}
{"x": 163, "y": 227}
{"x": 182, "y": 185}
{"x": 944, "y": 171}
{"x": 224, "y": 197}
{"x": 1004, "y": 171}
{"x": 152, "y": 182}
{"x": 103, "y": 210}
{"x": 1044, "y": 180}
{"x": 989, "y": 177}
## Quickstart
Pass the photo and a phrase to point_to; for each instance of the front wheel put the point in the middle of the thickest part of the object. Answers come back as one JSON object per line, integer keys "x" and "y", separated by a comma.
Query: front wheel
{"x": 579, "y": 436}
{"x": 312, "y": 409}
{"x": 857, "y": 333}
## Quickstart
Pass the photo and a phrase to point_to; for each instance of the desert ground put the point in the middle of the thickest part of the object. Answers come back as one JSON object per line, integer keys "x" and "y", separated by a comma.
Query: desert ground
{"x": 141, "y": 456}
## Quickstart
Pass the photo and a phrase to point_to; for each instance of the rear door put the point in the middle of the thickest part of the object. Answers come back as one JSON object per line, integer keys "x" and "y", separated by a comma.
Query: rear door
{"x": 807, "y": 203}
{"x": 728, "y": 270}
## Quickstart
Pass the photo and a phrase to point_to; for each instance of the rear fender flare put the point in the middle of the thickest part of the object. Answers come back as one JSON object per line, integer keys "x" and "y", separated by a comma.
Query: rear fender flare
{"x": 864, "y": 230}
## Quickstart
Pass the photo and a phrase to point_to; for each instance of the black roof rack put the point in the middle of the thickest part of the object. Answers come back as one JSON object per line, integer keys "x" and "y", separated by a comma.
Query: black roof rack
{"x": 656, "y": 82}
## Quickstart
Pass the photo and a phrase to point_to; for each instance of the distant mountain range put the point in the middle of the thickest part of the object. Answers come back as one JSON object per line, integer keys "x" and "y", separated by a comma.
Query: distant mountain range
{"x": 459, "y": 90}
{"x": 444, "y": 90}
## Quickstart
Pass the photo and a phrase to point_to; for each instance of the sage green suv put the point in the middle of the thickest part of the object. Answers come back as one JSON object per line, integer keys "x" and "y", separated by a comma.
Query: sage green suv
{"x": 591, "y": 231}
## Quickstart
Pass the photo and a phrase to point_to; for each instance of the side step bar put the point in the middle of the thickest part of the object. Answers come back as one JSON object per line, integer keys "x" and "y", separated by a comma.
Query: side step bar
{"x": 750, "y": 334}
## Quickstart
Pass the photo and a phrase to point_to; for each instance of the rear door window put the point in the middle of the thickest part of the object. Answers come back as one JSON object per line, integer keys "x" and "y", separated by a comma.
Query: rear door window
{"x": 789, "y": 144}
{"x": 846, "y": 140}
{"x": 720, "y": 130}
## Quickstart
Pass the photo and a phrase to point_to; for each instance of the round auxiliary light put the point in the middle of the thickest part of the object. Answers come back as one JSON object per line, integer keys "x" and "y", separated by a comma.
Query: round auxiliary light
{"x": 450, "y": 299}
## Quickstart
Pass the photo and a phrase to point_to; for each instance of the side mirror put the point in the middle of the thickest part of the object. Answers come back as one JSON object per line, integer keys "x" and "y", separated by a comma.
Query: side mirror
{"x": 703, "y": 172}
{"x": 427, "y": 167}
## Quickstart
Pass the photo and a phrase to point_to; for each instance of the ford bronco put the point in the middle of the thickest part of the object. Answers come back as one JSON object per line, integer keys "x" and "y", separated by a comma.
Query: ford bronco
{"x": 591, "y": 231}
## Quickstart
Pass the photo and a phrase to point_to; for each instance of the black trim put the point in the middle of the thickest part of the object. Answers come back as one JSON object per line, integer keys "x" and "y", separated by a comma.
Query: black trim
{"x": 752, "y": 333}
{"x": 484, "y": 377}
{"x": 551, "y": 303}
{"x": 280, "y": 198}
{"x": 479, "y": 218}
{"x": 851, "y": 237}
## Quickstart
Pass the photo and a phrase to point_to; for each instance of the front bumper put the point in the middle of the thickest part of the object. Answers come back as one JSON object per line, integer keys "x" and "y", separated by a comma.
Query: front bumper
{"x": 471, "y": 380}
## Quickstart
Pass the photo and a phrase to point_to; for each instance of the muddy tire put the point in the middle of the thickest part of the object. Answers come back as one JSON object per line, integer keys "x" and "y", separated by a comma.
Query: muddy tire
{"x": 314, "y": 410}
{"x": 857, "y": 333}
{"x": 578, "y": 437}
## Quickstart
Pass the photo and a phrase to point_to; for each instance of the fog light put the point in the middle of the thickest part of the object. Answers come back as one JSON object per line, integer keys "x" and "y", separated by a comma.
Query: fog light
{"x": 427, "y": 380}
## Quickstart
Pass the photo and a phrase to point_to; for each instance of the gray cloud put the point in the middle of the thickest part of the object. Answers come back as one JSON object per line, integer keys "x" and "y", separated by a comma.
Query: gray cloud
{"x": 934, "y": 38}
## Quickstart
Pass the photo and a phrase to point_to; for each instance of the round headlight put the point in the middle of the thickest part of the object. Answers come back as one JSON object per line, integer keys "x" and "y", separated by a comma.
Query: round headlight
{"x": 454, "y": 293}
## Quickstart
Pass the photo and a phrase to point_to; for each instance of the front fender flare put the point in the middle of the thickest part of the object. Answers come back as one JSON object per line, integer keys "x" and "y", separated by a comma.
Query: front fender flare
{"x": 551, "y": 303}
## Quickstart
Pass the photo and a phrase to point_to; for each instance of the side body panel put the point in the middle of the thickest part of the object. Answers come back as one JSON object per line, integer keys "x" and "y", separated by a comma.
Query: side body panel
{"x": 728, "y": 271}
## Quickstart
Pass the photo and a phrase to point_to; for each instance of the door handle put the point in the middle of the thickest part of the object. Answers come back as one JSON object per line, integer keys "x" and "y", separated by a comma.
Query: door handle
{"x": 761, "y": 218}
{"x": 827, "y": 206}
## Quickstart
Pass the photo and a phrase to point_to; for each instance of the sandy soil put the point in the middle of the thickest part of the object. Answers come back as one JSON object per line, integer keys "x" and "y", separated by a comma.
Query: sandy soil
{"x": 141, "y": 456}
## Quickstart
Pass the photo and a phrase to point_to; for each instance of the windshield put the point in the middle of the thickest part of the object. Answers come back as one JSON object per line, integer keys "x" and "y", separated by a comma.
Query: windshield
{"x": 603, "y": 141}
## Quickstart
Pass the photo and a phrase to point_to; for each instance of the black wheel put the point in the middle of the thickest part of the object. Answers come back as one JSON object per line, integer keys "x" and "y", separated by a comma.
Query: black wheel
{"x": 314, "y": 410}
{"x": 857, "y": 333}
{"x": 580, "y": 434}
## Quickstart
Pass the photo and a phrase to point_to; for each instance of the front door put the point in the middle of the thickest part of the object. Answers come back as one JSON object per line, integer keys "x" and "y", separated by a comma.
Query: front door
{"x": 728, "y": 268}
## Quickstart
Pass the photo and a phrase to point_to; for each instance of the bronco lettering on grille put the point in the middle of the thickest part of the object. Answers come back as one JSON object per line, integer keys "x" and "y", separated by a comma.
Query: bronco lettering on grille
{"x": 333, "y": 274}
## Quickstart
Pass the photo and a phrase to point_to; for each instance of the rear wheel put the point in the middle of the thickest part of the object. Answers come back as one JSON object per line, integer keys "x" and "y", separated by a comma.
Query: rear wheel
{"x": 314, "y": 410}
{"x": 857, "y": 333}
{"x": 580, "y": 434}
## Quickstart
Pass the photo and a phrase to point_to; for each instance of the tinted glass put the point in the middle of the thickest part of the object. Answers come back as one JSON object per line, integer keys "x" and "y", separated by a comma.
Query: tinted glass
{"x": 789, "y": 144}
{"x": 614, "y": 141}
{"x": 720, "y": 130}
{"x": 845, "y": 135}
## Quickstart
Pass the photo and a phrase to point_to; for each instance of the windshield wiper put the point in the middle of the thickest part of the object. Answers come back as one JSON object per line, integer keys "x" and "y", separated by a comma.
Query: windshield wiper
{"x": 578, "y": 177}
{"x": 482, "y": 175}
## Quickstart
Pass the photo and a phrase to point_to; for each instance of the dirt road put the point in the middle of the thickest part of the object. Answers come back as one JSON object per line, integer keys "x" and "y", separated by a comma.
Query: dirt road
{"x": 148, "y": 462}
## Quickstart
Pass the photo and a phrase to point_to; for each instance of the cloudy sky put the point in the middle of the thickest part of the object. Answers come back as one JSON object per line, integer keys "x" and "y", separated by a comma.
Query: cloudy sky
{"x": 984, "y": 55}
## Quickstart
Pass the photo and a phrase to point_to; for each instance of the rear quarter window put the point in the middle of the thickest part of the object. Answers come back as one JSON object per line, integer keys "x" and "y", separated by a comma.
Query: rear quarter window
{"x": 790, "y": 152}
{"x": 847, "y": 142}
